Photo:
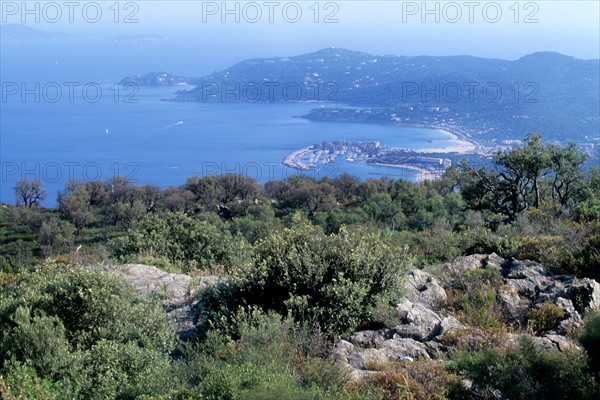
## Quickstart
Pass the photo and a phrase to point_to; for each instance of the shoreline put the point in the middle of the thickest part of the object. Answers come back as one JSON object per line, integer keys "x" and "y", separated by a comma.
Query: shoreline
{"x": 457, "y": 145}
{"x": 421, "y": 174}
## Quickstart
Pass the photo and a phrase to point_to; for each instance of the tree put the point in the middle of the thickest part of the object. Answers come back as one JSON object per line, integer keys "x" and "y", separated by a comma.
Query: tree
{"x": 75, "y": 205}
{"x": 518, "y": 176}
{"x": 568, "y": 181}
{"x": 29, "y": 193}
{"x": 305, "y": 193}
{"x": 381, "y": 208}
{"x": 346, "y": 187}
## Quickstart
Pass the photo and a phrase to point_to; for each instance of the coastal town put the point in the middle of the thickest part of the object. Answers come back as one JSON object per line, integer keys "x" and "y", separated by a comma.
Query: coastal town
{"x": 319, "y": 154}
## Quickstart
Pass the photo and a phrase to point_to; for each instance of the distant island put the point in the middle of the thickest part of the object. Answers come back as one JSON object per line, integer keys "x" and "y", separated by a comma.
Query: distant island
{"x": 491, "y": 102}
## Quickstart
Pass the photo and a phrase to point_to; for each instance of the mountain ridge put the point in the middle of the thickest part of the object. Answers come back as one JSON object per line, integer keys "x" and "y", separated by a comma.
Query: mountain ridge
{"x": 487, "y": 100}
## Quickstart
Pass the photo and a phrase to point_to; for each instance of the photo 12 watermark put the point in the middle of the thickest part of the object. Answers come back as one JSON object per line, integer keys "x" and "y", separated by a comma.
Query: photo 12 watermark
{"x": 471, "y": 92}
{"x": 53, "y": 12}
{"x": 253, "y": 12}
{"x": 54, "y": 172}
{"x": 266, "y": 91}
{"x": 266, "y": 171}
{"x": 452, "y": 12}
{"x": 69, "y": 92}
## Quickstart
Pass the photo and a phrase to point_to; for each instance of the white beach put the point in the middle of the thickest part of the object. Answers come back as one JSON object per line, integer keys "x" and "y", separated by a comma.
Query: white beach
{"x": 456, "y": 145}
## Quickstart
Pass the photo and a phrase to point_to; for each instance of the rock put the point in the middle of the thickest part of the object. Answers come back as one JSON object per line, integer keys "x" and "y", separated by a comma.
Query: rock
{"x": 391, "y": 350}
{"x": 418, "y": 322}
{"x": 458, "y": 267}
{"x": 567, "y": 306}
{"x": 422, "y": 287}
{"x": 563, "y": 343}
{"x": 175, "y": 291}
{"x": 398, "y": 348}
{"x": 450, "y": 325}
{"x": 523, "y": 287}
{"x": 427, "y": 334}
{"x": 544, "y": 343}
{"x": 516, "y": 269}
{"x": 435, "y": 349}
{"x": 559, "y": 287}
{"x": 585, "y": 294}
{"x": 369, "y": 339}
{"x": 514, "y": 306}
{"x": 494, "y": 261}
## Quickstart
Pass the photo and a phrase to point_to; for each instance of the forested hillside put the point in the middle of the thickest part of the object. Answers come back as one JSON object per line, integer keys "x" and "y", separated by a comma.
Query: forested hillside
{"x": 296, "y": 266}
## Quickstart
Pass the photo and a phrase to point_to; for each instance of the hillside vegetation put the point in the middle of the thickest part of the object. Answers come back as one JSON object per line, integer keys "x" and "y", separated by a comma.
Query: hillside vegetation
{"x": 301, "y": 266}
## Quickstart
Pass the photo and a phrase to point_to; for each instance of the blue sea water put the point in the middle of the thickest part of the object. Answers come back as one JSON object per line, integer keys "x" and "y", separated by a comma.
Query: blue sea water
{"x": 149, "y": 140}
{"x": 164, "y": 143}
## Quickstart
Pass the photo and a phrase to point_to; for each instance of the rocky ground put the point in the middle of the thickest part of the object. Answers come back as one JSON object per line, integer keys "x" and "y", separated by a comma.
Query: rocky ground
{"x": 427, "y": 329}
{"x": 425, "y": 326}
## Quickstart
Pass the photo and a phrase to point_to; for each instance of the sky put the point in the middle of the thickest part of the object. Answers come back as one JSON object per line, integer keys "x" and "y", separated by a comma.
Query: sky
{"x": 246, "y": 29}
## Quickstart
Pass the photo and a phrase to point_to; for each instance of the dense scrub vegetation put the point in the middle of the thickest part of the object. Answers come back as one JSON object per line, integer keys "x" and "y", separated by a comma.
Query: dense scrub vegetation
{"x": 307, "y": 261}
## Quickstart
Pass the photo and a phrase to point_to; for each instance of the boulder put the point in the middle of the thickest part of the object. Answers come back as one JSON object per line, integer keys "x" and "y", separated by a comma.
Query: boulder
{"x": 423, "y": 334}
{"x": 370, "y": 339}
{"x": 455, "y": 269}
{"x": 395, "y": 349}
{"x": 585, "y": 294}
{"x": 418, "y": 322}
{"x": 450, "y": 325}
{"x": 422, "y": 287}
{"x": 514, "y": 306}
{"x": 175, "y": 291}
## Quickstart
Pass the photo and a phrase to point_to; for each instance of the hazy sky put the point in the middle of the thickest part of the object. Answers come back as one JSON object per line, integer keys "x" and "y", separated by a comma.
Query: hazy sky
{"x": 501, "y": 29}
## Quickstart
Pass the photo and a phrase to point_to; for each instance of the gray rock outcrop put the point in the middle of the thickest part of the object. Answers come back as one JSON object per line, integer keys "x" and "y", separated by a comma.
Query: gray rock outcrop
{"x": 175, "y": 291}
{"x": 426, "y": 329}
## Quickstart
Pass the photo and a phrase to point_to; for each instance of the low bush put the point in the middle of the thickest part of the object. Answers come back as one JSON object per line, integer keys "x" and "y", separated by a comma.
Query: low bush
{"x": 590, "y": 339}
{"x": 546, "y": 317}
{"x": 341, "y": 281}
{"x": 526, "y": 372}
{"x": 420, "y": 380}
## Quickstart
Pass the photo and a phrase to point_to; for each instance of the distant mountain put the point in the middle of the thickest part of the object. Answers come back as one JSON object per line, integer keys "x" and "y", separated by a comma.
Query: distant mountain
{"x": 489, "y": 100}
{"x": 23, "y": 32}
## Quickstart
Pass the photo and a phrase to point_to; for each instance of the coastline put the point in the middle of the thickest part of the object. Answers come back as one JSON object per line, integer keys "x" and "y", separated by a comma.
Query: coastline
{"x": 457, "y": 145}
{"x": 453, "y": 143}
{"x": 421, "y": 174}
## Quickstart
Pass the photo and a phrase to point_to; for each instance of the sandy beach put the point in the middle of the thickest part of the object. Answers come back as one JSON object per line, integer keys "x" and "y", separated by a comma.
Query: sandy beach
{"x": 456, "y": 145}
{"x": 421, "y": 173}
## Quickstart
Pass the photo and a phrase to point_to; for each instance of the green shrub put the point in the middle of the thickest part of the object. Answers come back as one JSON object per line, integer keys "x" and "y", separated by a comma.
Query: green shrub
{"x": 266, "y": 362}
{"x": 590, "y": 339}
{"x": 183, "y": 241}
{"x": 23, "y": 383}
{"x": 88, "y": 330}
{"x": 479, "y": 309}
{"x": 415, "y": 380}
{"x": 475, "y": 297}
{"x": 527, "y": 372}
{"x": 546, "y": 317}
{"x": 339, "y": 280}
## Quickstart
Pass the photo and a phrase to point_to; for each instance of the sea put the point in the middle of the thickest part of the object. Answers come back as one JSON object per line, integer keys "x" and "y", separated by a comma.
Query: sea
{"x": 60, "y": 124}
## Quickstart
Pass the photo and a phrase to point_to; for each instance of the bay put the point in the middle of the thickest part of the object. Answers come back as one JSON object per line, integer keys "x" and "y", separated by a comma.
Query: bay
{"x": 152, "y": 141}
